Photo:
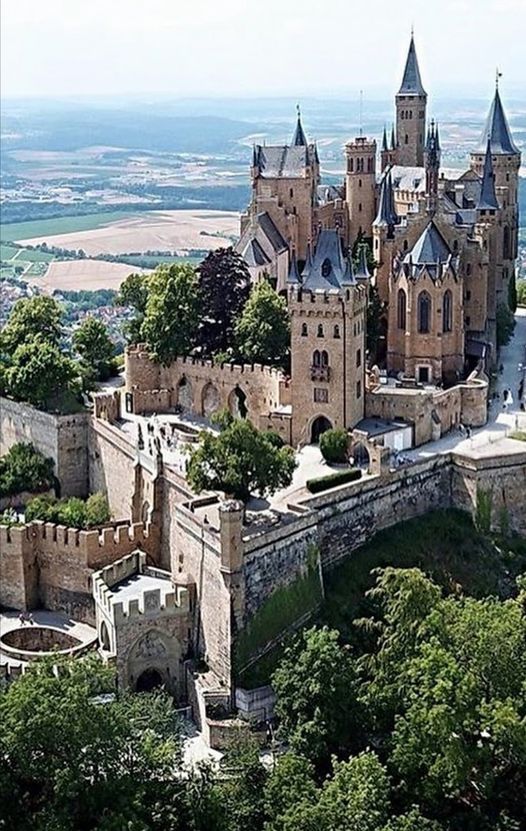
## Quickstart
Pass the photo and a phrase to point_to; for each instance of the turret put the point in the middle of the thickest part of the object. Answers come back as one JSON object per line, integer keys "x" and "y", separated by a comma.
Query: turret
{"x": 432, "y": 166}
{"x": 360, "y": 186}
{"x": 384, "y": 234}
{"x": 411, "y": 101}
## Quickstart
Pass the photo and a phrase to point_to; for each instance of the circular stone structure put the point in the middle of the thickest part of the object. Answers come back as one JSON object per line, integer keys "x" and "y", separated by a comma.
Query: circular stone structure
{"x": 50, "y": 633}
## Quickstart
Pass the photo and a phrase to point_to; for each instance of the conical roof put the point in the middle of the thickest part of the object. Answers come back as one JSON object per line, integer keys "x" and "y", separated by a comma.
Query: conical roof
{"x": 429, "y": 249}
{"x": 363, "y": 270}
{"x": 328, "y": 268}
{"x": 411, "y": 82}
{"x": 294, "y": 275}
{"x": 386, "y": 211}
{"x": 299, "y": 139}
{"x": 488, "y": 199}
{"x": 384, "y": 140}
{"x": 497, "y": 130}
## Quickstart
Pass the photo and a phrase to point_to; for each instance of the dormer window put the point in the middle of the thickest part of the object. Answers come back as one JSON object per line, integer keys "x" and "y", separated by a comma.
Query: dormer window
{"x": 326, "y": 267}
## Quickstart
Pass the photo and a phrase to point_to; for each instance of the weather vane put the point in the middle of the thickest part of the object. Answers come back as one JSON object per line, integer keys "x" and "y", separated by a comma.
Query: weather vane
{"x": 498, "y": 75}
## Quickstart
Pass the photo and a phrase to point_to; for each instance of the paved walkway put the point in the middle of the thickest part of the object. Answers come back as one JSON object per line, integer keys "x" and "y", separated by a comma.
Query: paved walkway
{"x": 84, "y": 633}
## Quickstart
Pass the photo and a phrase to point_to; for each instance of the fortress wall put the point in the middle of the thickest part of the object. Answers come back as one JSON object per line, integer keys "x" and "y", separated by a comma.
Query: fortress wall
{"x": 62, "y": 437}
{"x": 18, "y": 572}
{"x": 112, "y": 466}
{"x": 206, "y": 387}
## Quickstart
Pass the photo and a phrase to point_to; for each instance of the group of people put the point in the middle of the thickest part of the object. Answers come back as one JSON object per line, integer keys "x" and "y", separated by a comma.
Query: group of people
{"x": 26, "y": 617}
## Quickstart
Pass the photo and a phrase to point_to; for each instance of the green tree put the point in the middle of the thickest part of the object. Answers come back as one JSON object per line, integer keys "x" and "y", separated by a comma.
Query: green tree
{"x": 290, "y": 785}
{"x": 412, "y": 821}
{"x": 224, "y": 287}
{"x": 333, "y": 445}
{"x": 41, "y": 374}
{"x": 241, "y": 460}
{"x": 512, "y": 293}
{"x": 134, "y": 292}
{"x": 95, "y": 348}
{"x": 24, "y": 468}
{"x": 242, "y": 789}
{"x": 172, "y": 312}
{"x": 262, "y": 333}
{"x": 521, "y": 292}
{"x": 35, "y": 317}
{"x": 357, "y": 796}
{"x": 316, "y": 687}
{"x": 97, "y": 510}
{"x": 505, "y": 324}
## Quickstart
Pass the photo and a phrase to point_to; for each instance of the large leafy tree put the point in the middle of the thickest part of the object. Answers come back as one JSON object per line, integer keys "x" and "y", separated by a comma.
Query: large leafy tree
{"x": 133, "y": 292}
{"x": 96, "y": 349}
{"x": 30, "y": 318}
{"x": 241, "y": 460}
{"x": 316, "y": 686}
{"x": 262, "y": 333}
{"x": 24, "y": 468}
{"x": 172, "y": 312}
{"x": 224, "y": 287}
{"x": 40, "y": 374}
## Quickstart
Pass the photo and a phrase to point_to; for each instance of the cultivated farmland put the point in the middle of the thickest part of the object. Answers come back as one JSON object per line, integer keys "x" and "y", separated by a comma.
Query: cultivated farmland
{"x": 88, "y": 275}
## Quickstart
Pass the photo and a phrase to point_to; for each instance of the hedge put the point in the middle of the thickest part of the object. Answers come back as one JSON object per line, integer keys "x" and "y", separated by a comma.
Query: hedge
{"x": 323, "y": 483}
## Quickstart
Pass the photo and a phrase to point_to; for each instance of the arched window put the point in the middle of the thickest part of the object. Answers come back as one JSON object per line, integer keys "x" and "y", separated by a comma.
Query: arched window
{"x": 336, "y": 331}
{"x": 506, "y": 243}
{"x": 325, "y": 358}
{"x": 316, "y": 358}
{"x": 351, "y": 166}
{"x": 405, "y": 245}
{"x": 406, "y": 139}
{"x": 402, "y": 309}
{"x": 320, "y": 330}
{"x": 304, "y": 331}
{"x": 447, "y": 312}
{"x": 424, "y": 312}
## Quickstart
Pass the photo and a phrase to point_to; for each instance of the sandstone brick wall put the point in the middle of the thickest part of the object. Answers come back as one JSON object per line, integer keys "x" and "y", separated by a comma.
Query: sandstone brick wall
{"x": 62, "y": 437}
{"x": 112, "y": 466}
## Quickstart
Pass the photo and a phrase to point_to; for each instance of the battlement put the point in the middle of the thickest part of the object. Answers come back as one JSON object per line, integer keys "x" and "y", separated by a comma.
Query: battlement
{"x": 107, "y": 405}
{"x": 139, "y": 353}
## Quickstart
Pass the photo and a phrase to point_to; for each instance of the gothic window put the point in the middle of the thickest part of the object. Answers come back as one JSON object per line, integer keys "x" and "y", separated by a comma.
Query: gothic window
{"x": 406, "y": 139}
{"x": 316, "y": 358}
{"x": 325, "y": 358}
{"x": 326, "y": 267}
{"x": 351, "y": 165}
{"x": 402, "y": 309}
{"x": 447, "y": 312}
{"x": 336, "y": 331}
{"x": 320, "y": 330}
{"x": 369, "y": 165}
{"x": 402, "y": 115}
{"x": 424, "y": 312}
{"x": 410, "y": 113}
{"x": 468, "y": 296}
{"x": 304, "y": 330}
{"x": 455, "y": 245}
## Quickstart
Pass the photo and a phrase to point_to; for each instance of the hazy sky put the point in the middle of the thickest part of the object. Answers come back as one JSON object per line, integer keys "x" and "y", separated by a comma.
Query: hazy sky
{"x": 255, "y": 47}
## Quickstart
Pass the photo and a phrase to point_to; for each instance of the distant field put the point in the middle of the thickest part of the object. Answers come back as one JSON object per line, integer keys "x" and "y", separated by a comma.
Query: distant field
{"x": 44, "y": 228}
{"x": 149, "y": 231}
{"x": 88, "y": 275}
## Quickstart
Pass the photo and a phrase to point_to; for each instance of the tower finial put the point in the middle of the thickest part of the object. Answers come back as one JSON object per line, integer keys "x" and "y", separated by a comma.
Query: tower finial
{"x": 361, "y": 112}
{"x": 412, "y": 29}
{"x": 298, "y": 110}
{"x": 498, "y": 74}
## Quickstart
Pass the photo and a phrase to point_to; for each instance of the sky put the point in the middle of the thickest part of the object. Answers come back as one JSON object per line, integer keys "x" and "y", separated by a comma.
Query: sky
{"x": 188, "y": 48}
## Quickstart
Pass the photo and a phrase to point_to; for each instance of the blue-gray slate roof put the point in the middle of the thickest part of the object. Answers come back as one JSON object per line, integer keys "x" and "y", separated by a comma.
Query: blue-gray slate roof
{"x": 488, "y": 198}
{"x": 411, "y": 82}
{"x": 498, "y": 131}
{"x": 328, "y": 269}
{"x": 430, "y": 248}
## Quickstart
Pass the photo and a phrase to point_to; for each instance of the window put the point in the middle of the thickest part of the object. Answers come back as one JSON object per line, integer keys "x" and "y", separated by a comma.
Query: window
{"x": 358, "y": 389}
{"x": 370, "y": 164}
{"x": 304, "y": 331}
{"x": 358, "y": 357}
{"x": 447, "y": 312}
{"x": 405, "y": 245}
{"x": 326, "y": 267}
{"x": 316, "y": 358}
{"x": 336, "y": 331}
{"x": 506, "y": 243}
{"x": 468, "y": 295}
{"x": 325, "y": 358}
{"x": 351, "y": 165}
{"x": 423, "y": 374}
{"x": 406, "y": 139}
{"x": 291, "y": 192}
{"x": 424, "y": 312}
{"x": 360, "y": 206}
{"x": 321, "y": 396}
{"x": 468, "y": 269}
{"x": 359, "y": 183}
{"x": 468, "y": 320}
{"x": 410, "y": 113}
{"x": 402, "y": 309}
{"x": 320, "y": 330}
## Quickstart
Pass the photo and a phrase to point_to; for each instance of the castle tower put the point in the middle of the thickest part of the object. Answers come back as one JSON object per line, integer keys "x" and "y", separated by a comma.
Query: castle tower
{"x": 328, "y": 310}
{"x": 432, "y": 166}
{"x": 488, "y": 233}
{"x": 411, "y": 101}
{"x": 506, "y": 159}
{"x": 360, "y": 186}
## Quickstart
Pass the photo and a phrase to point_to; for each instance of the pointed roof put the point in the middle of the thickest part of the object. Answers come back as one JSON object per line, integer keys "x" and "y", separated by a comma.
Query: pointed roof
{"x": 429, "y": 249}
{"x": 255, "y": 154}
{"x": 498, "y": 131}
{"x": 349, "y": 277}
{"x": 294, "y": 275}
{"x": 328, "y": 268}
{"x": 488, "y": 198}
{"x": 411, "y": 82}
{"x": 384, "y": 140}
{"x": 393, "y": 138}
{"x": 363, "y": 269}
{"x": 437, "y": 138}
{"x": 254, "y": 255}
{"x": 386, "y": 211}
{"x": 299, "y": 139}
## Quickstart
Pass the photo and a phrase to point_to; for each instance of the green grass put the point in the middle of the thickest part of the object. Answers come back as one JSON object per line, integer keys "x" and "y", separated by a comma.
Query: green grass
{"x": 444, "y": 544}
{"x": 28, "y": 255}
{"x": 61, "y": 225}
{"x": 7, "y": 252}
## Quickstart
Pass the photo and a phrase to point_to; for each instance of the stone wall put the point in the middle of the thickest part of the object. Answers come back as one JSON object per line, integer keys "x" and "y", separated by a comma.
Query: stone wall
{"x": 112, "y": 457}
{"x": 61, "y": 437}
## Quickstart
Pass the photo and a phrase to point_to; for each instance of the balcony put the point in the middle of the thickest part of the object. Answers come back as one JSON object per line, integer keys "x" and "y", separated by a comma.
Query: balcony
{"x": 320, "y": 373}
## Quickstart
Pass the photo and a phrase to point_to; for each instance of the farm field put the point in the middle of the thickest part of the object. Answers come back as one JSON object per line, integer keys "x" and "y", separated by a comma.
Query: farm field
{"x": 87, "y": 275}
{"x": 179, "y": 231}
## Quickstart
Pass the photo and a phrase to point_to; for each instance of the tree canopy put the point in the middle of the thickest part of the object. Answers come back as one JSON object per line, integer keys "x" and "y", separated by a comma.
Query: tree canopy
{"x": 24, "y": 468}
{"x": 95, "y": 348}
{"x": 40, "y": 374}
{"x": 224, "y": 287}
{"x": 34, "y": 317}
{"x": 172, "y": 312}
{"x": 262, "y": 333}
{"x": 239, "y": 461}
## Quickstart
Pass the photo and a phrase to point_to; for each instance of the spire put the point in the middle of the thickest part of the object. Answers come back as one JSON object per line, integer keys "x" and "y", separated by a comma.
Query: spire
{"x": 386, "y": 211}
{"x": 384, "y": 141}
{"x": 254, "y": 156}
{"x": 411, "y": 82}
{"x": 299, "y": 138}
{"x": 363, "y": 270}
{"x": 488, "y": 199}
{"x": 294, "y": 275}
{"x": 393, "y": 138}
{"x": 498, "y": 131}
{"x": 308, "y": 263}
{"x": 349, "y": 278}
{"x": 437, "y": 138}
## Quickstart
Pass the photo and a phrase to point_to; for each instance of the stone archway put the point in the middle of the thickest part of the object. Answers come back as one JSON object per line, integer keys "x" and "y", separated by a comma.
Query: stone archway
{"x": 150, "y": 679}
{"x": 320, "y": 425}
{"x": 210, "y": 399}
{"x": 185, "y": 394}
{"x": 237, "y": 403}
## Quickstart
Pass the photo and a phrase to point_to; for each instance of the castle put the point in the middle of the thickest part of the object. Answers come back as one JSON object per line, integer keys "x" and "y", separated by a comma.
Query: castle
{"x": 188, "y": 590}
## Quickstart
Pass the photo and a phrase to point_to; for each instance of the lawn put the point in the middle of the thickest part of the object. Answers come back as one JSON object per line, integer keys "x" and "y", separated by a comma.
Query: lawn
{"x": 61, "y": 225}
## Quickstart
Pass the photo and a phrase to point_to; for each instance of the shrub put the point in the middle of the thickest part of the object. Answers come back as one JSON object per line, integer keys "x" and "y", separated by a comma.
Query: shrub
{"x": 323, "y": 483}
{"x": 74, "y": 512}
{"x": 24, "y": 468}
{"x": 333, "y": 445}
{"x": 521, "y": 292}
{"x": 97, "y": 510}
